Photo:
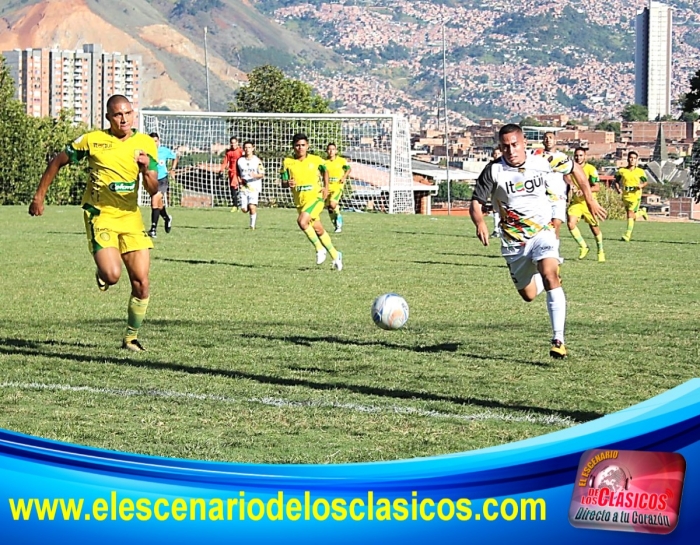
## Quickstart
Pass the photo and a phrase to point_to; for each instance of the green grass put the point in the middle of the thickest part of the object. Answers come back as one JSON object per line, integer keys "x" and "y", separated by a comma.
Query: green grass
{"x": 256, "y": 355}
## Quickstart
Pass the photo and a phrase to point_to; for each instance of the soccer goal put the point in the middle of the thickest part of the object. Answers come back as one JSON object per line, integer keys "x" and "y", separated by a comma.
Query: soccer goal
{"x": 377, "y": 148}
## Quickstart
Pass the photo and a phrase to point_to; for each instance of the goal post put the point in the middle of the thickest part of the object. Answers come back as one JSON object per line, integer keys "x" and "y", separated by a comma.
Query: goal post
{"x": 377, "y": 148}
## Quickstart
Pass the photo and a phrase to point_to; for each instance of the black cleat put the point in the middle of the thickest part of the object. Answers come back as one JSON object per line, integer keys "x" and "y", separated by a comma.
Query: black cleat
{"x": 168, "y": 223}
{"x": 152, "y": 233}
{"x": 134, "y": 345}
{"x": 101, "y": 284}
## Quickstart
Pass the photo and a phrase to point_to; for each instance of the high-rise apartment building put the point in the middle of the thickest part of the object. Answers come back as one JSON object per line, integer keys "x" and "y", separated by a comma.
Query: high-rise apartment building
{"x": 49, "y": 81}
{"x": 653, "y": 59}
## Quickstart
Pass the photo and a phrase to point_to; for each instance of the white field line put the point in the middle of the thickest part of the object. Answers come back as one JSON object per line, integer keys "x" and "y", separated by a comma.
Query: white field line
{"x": 485, "y": 414}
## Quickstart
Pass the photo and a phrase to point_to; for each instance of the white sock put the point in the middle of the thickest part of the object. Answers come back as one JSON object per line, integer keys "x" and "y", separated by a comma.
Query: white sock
{"x": 253, "y": 217}
{"x": 556, "y": 305}
{"x": 539, "y": 283}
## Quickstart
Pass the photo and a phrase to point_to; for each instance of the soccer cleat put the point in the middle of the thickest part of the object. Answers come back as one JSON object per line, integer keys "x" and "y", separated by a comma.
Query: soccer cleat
{"x": 583, "y": 252}
{"x": 321, "y": 256}
{"x": 152, "y": 233}
{"x": 626, "y": 237}
{"x": 134, "y": 345}
{"x": 558, "y": 350}
{"x": 601, "y": 257}
{"x": 338, "y": 262}
{"x": 101, "y": 284}
{"x": 338, "y": 229}
{"x": 168, "y": 223}
{"x": 339, "y": 224}
{"x": 234, "y": 209}
{"x": 643, "y": 212}
{"x": 495, "y": 234}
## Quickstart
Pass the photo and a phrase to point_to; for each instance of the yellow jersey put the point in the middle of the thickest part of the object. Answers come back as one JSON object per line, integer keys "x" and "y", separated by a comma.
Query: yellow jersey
{"x": 306, "y": 175}
{"x": 630, "y": 179}
{"x": 336, "y": 169}
{"x": 592, "y": 176}
{"x": 114, "y": 173}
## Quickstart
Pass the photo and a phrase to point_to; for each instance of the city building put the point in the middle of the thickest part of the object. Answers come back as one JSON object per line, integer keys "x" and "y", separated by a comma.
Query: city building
{"x": 653, "y": 59}
{"x": 49, "y": 81}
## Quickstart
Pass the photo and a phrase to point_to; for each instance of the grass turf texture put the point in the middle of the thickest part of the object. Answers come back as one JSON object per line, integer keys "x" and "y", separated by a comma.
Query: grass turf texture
{"x": 257, "y": 355}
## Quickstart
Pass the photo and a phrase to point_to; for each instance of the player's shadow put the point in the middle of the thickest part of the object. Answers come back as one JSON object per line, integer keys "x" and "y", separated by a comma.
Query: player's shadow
{"x": 143, "y": 361}
{"x": 457, "y": 254}
{"x": 206, "y": 262}
{"x": 476, "y": 265}
{"x": 25, "y": 343}
{"x": 80, "y": 233}
{"x": 421, "y": 233}
{"x": 689, "y": 243}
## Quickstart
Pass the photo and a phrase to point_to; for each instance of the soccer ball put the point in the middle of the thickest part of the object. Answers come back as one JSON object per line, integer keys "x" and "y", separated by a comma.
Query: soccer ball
{"x": 390, "y": 311}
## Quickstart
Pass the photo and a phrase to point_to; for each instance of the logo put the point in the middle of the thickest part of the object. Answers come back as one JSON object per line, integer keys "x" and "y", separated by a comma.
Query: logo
{"x": 122, "y": 187}
{"x": 520, "y": 185}
{"x": 104, "y": 236}
{"x": 628, "y": 491}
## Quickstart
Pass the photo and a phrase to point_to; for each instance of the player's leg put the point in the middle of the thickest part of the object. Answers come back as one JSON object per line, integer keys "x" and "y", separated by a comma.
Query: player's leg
{"x": 163, "y": 188}
{"x": 233, "y": 188}
{"x": 103, "y": 244}
{"x": 253, "y": 215}
{"x": 598, "y": 234}
{"x": 632, "y": 205}
{"x": 244, "y": 202}
{"x": 306, "y": 225}
{"x": 572, "y": 221}
{"x": 324, "y": 237}
{"x": 156, "y": 205}
{"x": 496, "y": 224}
{"x": 137, "y": 265}
{"x": 558, "y": 214}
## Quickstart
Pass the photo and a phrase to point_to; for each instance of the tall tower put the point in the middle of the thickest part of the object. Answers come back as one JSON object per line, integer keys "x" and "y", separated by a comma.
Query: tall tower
{"x": 653, "y": 59}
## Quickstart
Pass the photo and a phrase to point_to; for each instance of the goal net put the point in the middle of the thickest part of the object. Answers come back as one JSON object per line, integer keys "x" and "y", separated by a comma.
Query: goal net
{"x": 377, "y": 148}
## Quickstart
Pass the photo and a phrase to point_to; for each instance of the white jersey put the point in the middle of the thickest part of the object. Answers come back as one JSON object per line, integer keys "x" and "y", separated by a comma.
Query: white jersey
{"x": 247, "y": 168}
{"x": 519, "y": 194}
{"x": 556, "y": 186}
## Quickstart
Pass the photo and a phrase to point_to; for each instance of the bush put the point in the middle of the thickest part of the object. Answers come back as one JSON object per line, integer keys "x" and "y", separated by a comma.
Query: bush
{"x": 611, "y": 200}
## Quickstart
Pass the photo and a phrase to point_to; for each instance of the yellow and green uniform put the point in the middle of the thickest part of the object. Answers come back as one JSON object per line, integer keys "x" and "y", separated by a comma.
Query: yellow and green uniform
{"x": 336, "y": 170}
{"x": 578, "y": 206}
{"x": 110, "y": 201}
{"x": 629, "y": 180}
{"x": 306, "y": 174}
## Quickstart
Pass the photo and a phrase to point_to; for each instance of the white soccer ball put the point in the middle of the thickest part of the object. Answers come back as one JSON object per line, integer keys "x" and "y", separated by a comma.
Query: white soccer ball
{"x": 390, "y": 311}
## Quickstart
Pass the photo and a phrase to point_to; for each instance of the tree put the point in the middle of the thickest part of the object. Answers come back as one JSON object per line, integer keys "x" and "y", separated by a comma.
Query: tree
{"x": 530, "y": 122}
{"x": 695, "y": 172}
{"x": 635, "y": 112}
{"x": 270, "y": 91}
{"x": 691, "y": 100}
{"x": 610, "y": 126}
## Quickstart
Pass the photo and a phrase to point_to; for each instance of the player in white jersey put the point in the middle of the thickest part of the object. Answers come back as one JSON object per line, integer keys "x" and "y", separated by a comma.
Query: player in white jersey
{"x": 517, "y": 186}
{"x": 251, "y": 173}
{"x": 557, "y": 187}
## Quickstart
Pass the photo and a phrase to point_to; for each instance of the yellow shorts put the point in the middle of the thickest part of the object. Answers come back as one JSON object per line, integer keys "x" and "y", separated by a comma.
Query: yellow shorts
{"x": 107, "y": 230}
{"x": 632, "y": 200}
{"x": 335, "y": 192}
{"x": 312, "y": 205}
{"x": 580, "y": 210}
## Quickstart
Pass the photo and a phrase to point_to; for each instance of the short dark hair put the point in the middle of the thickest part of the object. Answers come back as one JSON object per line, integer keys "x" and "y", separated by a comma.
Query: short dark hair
{"x": 248, "y": 142}
{"x": 548, "y": 132}
{"x": 508, "y": 129}
{"x": 299, "y": 136}
{"x": 633, "y": 153}
{"x": 232, "y": 139}
{"x": 584, "y": 150}
{"x": 116, "y": 99}
{"x": 154, "y": 135}
{"x": 331, "y": 144}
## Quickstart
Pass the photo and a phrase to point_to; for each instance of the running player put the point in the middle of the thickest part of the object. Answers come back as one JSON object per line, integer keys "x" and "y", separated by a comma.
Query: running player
{"x": 158, "y": 200}
{"x": 557, "y": 187}
{"x": 251, "y": 174}
{"x": 231, "y": 157}
{"x": 338, "y": 171}
{"x": 115, "y": 231}
{"x": 579, "y": 209}
{"x": 302, "y": 174}
{"x": 516, "y": 184}
{"x": 629, "y": 181}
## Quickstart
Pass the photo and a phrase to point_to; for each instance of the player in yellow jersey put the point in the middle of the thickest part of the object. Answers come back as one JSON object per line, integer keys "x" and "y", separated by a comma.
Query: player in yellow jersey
{"x": 302, "y": 174}
{"x": 629, "y": 181}
{"x": 338, "y": 171}
{"x": 115, "y": 231}
{"x": 579, "y": 209}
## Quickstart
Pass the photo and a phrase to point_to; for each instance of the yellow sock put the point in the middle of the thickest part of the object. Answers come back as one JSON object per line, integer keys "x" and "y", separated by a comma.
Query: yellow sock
{"x": 599, "y": 241}
{"x": 313, "y": 237}
{"x": 137, "y": 312}
{"x": 630, "y": 226}
{"x": 576, "y": 233}
{"x": 328, "y": 244}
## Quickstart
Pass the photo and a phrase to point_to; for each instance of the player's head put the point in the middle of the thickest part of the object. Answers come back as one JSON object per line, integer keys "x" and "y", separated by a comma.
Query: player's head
{"x": 580, "y": 155}
{"x": 548, "y": 141}
{"x": 300, "y": 143}
{"x": 632, "y": 159}
{"x": 331, "y": 150}
{"x": 248, "y": 148}
{"x": 155, "y": 137}
{"x": 496, "y": 154}
{"x": 511, "y": 141}
{"x": 233, "y": 142}
{"x": 120, "y": 115}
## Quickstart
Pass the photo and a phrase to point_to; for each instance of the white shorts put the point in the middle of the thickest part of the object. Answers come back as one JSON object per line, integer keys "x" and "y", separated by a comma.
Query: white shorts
{"x": 522, "y": 260}
{"x": 559, "y": 210}
{"x": 249, "y": 193}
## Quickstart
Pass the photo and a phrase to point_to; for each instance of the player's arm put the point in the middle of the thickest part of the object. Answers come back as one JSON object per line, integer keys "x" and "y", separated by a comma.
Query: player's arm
{"x": 148, "y": 168}
{"x": 578, "y": 176}
{"x": 36, "y": 207}
{"x": 260, "y": 174}
{"x": 174, "y": 165}
{"x": 480, "y": 197}
{"x": 643, "y": 181}
{"x": 346, "y": 173}
{"x": 286, "y": 179}
{"x": 326, "y": 179}
{"x": 617, "y": 185}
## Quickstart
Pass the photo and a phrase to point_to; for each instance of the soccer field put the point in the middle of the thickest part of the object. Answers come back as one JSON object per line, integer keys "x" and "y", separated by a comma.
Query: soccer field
{"x": 257, "y": 355}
